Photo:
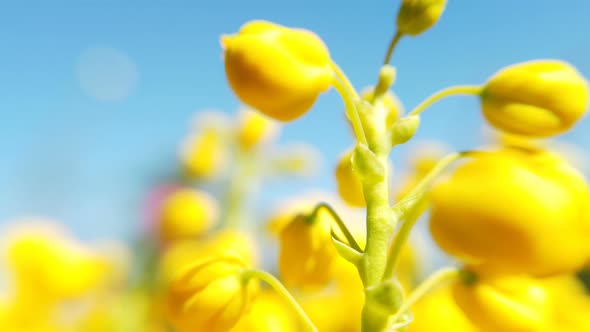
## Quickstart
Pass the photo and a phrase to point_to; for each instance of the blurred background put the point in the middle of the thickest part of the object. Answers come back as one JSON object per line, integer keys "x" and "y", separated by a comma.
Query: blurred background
{"x": 96, "y": 95}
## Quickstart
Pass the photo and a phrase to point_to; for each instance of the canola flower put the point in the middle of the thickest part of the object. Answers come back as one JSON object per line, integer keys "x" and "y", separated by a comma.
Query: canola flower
{"x": 268, "y": 59}
{"x": 535, "y": 187}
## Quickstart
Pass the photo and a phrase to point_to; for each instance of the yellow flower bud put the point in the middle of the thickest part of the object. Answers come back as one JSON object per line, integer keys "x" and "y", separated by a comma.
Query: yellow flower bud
{"x": 277, "y": 70}
{"x": 254, "y": 129}
{"x": 437, "y": 311}
{"x": 268, "y": 314}
{"x": 348, "y": 183}
{"x": 203, "y": 154}
{"x": 187, "y": 213}
{"x": 416, "y": 16}
{"x": 505, "y": 303}
{"x": 209, "y": 295}
{"x": 514, "y": 210}
{"x": 307, "y": 254}
{"x": 535, "y": 98}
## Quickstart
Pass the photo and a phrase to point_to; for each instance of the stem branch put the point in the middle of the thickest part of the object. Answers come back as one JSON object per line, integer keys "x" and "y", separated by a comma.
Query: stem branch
{"x": 414, "y": 202}
{"x": 454, "y": 90}
{"x": 435, "y": 280}
{"x": 396, "y": 38}
{"x": 341, "y": 225}
{"x": 283, "y": 292}
{"x": 349, "y": 96}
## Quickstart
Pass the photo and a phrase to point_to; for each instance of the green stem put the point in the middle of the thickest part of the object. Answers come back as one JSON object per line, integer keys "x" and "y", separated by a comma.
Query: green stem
{"x": 454, "y": 90}
{"x": 341, "y": 225}
{"x": 396, "y": 38}
{"x": 344, "y": 79}
{"x": 243, "y": 178}
{"x": 380, "y": 228}
{"x": 435, "y": 280}
{"x": 351, "y": 110}
{"x": 414, "y": 202}
{"x": 283, "y": 292}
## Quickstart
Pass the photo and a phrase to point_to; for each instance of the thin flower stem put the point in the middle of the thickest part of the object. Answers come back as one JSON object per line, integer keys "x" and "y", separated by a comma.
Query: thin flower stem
{"x": 283, "y": 292}
{"x": 351, "y": 111}
{"x": 415, "y": 209}
{"x": 435, "y": 280}
{"x": 396, "y": 38}
{"x": 454, "y": 90}
{"x": 344, "y": 79}
{"x": 341, "y": 225}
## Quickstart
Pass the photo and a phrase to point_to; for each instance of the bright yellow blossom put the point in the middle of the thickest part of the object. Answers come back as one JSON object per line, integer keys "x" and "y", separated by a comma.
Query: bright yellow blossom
{"x": 187, "y": 213}
{"x": 514, "y": 210}
{"x": 209, "y": 295}
{"x": 535, "y": 98}
{"x": 277, "y": 70}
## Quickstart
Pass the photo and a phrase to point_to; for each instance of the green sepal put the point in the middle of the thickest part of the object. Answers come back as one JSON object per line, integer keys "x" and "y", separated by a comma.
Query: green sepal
{"x": 404, "y": 129}
{"x": 346, "y": 252}
{"x": 367, "y": 165}
{"x": 385, "y": 297}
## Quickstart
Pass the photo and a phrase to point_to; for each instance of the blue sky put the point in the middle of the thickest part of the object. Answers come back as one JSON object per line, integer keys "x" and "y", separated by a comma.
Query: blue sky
{"x": 95, "y": 96}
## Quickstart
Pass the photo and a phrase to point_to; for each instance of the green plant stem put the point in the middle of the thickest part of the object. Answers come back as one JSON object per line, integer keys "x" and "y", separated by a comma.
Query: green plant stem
{"x": 341, "y": 225}
{"x": 380, "y": 228}
{"x": 351, "y": 111}
{"x": 454, "y": 90}
{"x": 239, "y": 189}
{"x": 435, "y": 280}
{"x": 396, "y": 38}
{"x": 283, "y": 292}
{"x": 415, "y": 203}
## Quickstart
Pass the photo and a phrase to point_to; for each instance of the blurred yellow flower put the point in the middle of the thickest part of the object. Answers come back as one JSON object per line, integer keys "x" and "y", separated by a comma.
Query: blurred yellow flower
{"x": 254, "y": 129}
{"x": 47, "y": 265}
{"x": 535, "y": 98}
{"x": 306, "y": 254}
{"x": 422, "y": 160}
{"x": 416, "y": 16}
{"x": 277, "y": 70}
{"x": 337, "y": 310}
{"x": 437, "y": 311}
{"x": 514, "y": 210}
{"x": 187, "y": 213}
{"x": 209, "y": 295}
{"x": 571, "y": 303}
{"x": 182, "y": 253}
{"x": 203, "y": 153}
{"x": 507, "y": 303}
{"x": 268, "y": 314}
{"x": 348, "y": 183}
